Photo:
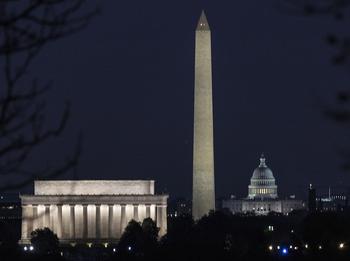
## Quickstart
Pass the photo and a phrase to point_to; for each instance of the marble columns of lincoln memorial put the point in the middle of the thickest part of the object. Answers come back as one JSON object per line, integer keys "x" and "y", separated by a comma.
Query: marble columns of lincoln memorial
{"x": 95, "y": 211}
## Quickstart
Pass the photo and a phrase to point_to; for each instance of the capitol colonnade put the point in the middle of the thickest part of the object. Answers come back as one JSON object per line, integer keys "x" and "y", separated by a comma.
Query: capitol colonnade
{"x": 93, "y": 217}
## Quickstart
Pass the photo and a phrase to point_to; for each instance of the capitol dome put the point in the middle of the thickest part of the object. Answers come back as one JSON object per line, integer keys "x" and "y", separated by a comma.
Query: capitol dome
{"x": 262, "y": 184}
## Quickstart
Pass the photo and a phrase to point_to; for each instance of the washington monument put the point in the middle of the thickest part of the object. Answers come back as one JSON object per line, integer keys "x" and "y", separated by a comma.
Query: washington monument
{"x": 203, "y": 145}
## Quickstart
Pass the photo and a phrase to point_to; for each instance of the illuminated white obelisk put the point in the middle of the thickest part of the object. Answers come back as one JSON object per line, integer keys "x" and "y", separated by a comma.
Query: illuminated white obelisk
{"x": 203, "y": 145}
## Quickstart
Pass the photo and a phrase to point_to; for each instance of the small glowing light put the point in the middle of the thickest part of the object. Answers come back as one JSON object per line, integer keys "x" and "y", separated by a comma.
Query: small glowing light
{"x": 114, "y": 250}
{"x": 25, "y": 248}
{"x": 89, "y": 245}
{"x": 306, "y": 246}
{"x": 320, "y": 247}
{"x": 296, "y": 248}
{"x": 105, "y": 245}
{"x": 290, "y": 246}
{"x": 129, "y": 248}
{"x": 31, "y": 248}
{"x": 284, "y": 251}
{"x": 292, "y": 231}
{"x": 278, "y": 247}
{"x": 341, "y": 245}
{"x": 270, "y": 248}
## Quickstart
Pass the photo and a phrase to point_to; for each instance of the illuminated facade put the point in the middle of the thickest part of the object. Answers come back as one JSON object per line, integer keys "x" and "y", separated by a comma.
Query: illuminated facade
{"x": 262, "y": 183}
{"x": 91, "y": 211}
{"x": 262, "y": 195}
{"x": 203, "y": 199}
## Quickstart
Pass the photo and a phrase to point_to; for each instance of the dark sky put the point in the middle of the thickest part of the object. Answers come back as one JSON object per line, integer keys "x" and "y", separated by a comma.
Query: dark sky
{"x": 130, "y": 78}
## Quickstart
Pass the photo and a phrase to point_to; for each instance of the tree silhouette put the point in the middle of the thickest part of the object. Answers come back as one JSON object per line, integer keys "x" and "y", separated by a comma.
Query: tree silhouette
{"x": 139, "y": 240}
{"x": 150, "y": 235}
{"x": 176, "y": 244}
{"x": 25, "y": 28}
{"x": 338, "y": 109}
{"x": 132, "y": 240}
{"x": 44, "y": 241}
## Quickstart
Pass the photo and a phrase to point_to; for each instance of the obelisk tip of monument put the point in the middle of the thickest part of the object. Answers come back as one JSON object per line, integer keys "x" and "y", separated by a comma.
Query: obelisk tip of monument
{"x": 203, "y": 23}
{"x": 203, "y": 198}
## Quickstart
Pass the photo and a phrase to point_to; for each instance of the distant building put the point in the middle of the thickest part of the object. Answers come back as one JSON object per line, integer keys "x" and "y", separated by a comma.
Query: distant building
{"x": 91, "y": 211}
{"x": 10, "y": 207}
{"x": 11, "y": 214}
{"x": 336, "y": 199}
{"x": 312, "y": 199}
{"x": 179, "y": 207}
{"x": 262, "y": 195}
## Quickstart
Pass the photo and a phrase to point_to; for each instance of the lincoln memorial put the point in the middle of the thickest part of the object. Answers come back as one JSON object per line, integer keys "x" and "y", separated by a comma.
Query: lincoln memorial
{"x": 91, "y": 211}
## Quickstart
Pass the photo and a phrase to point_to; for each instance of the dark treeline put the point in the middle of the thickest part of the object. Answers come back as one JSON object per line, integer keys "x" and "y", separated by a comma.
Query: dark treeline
{"x": 218, "y": 236}
{"x": 222, "y": 236}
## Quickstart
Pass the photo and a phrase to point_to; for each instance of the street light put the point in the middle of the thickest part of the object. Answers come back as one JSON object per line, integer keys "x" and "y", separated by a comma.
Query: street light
{"x": 341, "y": 245}
{"x": 284, "y": 251}
{"x": 270, "y": 248}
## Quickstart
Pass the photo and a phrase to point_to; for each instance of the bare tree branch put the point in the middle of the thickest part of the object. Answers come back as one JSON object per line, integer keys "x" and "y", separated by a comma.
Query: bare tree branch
{"x": 25, "y": 27}
{"x": 338, "y": 110}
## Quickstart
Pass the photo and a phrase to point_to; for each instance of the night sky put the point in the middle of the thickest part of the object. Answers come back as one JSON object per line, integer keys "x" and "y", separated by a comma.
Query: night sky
{"x": 130, "y": 79}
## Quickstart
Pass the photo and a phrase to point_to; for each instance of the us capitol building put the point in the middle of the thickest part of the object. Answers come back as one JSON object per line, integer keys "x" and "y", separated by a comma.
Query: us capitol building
{"x": 262, "y": 195}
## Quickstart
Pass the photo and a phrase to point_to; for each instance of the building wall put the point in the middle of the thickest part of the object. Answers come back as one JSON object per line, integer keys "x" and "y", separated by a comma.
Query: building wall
{"x": 234, "y": 205}
{"x": 262, "y": 207}
{"x": 97, "y": 223}
{"x": 289, "y": 205}
{"x": 93, "y": 216}
{"x": 94, "y": 187}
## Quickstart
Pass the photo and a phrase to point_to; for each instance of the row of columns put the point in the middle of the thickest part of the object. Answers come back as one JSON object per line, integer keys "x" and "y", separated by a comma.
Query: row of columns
{"x": 51, "y": 216}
